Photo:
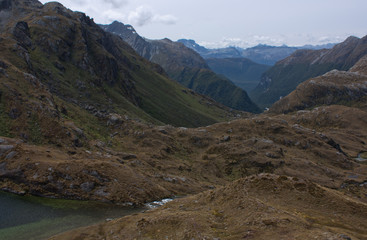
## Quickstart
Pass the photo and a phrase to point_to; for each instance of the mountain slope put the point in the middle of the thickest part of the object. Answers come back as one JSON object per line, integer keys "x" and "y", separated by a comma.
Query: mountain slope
{"x": 335, "y": 87}
{"x": 186, "y": 67}
{"x": 284, "y": 77}
{"x": 241, "y": 71}
{"x": 80, "y": 64}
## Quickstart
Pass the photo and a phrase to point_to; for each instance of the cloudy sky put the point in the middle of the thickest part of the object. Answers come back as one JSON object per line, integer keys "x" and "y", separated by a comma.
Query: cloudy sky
{"x": 243, "y": 23}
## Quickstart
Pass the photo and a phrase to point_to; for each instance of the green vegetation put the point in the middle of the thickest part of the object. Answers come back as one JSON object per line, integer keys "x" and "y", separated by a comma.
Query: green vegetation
{"x": 35, "y": 132}
{"x": 168, "y": 102}
{"x": 4, "y": 119}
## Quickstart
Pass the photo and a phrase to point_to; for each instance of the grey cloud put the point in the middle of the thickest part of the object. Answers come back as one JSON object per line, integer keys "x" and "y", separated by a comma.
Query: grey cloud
{"x": 117, "y": 3}
{"x": 166, "y": 19}
{"x": 141, "y": 16}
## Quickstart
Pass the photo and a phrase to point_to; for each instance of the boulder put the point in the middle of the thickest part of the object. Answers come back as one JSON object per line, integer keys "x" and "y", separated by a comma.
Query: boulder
{"x": 5, "y": 148}
{"x": 87, "y": 186}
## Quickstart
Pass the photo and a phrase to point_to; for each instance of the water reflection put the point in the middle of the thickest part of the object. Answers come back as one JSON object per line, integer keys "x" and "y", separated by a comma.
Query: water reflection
{"x": 26, "y": 217}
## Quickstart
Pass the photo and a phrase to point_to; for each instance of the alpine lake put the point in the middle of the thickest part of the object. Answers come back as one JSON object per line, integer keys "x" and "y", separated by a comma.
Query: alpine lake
{"x": 30, "y": 217}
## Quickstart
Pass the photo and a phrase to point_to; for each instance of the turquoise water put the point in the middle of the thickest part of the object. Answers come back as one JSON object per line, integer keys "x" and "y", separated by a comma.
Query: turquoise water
{"x": 27, "y": 217}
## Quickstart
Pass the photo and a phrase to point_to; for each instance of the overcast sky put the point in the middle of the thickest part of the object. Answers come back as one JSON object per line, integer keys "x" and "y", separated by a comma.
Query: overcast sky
{"x": 243, "y": 23}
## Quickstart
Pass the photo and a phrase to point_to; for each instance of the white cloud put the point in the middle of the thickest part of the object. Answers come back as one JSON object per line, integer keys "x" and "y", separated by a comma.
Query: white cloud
{"x": 331, "y": 39}
{"x": 246, "y": 42}
{"x": 277, "y": 40}
{"x": 103, "y": 11}
{"x": 144, "y": 15}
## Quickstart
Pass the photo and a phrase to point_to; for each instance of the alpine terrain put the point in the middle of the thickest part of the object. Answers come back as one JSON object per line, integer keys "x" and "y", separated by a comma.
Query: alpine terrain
{"x": 83, "y": 116}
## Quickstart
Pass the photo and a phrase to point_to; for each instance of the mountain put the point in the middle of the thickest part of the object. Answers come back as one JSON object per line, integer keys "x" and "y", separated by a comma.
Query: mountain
{"x": 285, "y": 76}
{"x": 335, "y": 87}
{"x": 60, "y": 70}
{"x": 186, "y": 67}
{"x": 241, "y": 71}
{"x": 262, "y": 54}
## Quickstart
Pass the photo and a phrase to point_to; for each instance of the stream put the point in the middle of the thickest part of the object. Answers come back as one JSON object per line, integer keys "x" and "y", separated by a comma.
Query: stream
{"x": 29, "y": 217}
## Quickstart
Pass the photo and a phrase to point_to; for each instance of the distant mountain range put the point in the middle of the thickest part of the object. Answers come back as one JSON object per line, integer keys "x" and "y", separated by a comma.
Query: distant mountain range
{"x": 262, "y": 54}
{"x": 186, "y": 67}
{"x": 287, "y": 74}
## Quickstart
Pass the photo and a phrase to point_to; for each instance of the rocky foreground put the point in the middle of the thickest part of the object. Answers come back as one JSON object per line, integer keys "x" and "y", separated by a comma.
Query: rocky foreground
{"x": 143, "y": 162}
{"x": 298, "y": 177}
{"x": 264, "y": 206}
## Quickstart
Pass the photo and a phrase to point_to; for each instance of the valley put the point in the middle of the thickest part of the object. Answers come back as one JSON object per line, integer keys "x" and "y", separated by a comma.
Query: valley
{"x": 98, "y": 113}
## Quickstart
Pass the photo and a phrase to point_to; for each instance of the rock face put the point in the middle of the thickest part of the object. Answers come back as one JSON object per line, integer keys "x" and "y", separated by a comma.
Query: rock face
{"x": 287, "y": 74}
{"x": 186, "y": 67}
